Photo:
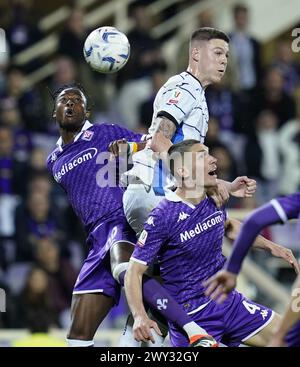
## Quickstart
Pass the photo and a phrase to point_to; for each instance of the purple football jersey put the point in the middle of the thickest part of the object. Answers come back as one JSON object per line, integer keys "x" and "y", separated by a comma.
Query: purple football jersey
{"x": 83, "y": 172}
{"x": 287, "y": 207}
{"x": 187, "y": 240}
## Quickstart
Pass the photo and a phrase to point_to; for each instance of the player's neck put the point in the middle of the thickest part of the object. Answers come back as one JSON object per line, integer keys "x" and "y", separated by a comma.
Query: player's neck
{"x": 196, "y": 74}
{"x": 191, "y": 196}
{"x": 67, "y": 136}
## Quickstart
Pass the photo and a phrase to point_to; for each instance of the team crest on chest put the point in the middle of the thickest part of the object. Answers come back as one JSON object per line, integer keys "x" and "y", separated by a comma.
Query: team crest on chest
{"x": 87, "y": 135}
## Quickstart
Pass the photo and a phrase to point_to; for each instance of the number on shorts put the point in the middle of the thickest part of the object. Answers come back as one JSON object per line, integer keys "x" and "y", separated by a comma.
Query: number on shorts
{"x": 250, "y": 307}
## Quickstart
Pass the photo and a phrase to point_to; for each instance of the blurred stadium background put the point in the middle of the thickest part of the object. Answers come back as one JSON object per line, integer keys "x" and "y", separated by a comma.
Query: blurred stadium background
{"x": 254, "y": 129}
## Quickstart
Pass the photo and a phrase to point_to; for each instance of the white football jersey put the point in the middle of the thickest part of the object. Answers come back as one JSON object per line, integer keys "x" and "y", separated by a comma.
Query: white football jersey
{"x": 182, "y": 100}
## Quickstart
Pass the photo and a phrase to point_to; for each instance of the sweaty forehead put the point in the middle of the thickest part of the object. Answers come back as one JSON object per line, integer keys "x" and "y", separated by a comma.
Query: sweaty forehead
{"x": 218, "y": 43}
{"x": 197, "y": 148}
{"x": 70, "y": 92}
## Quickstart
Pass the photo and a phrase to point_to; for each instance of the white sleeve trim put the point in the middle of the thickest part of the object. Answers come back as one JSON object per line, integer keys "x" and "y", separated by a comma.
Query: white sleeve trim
{"x": 138, "y": 261}
{"x": 279, "y": 210}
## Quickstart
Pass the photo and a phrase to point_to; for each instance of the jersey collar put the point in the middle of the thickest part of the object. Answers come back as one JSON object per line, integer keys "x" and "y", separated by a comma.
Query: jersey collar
{"x": 172, "y": 196}
{"x": 85, "y": 126}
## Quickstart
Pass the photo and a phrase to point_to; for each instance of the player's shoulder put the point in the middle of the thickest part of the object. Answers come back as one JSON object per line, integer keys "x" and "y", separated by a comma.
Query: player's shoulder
{"x": 52, "y": 158}
{"x": 161, "y": 209}
{"x": 102, "y": 127}
{"x": 210, "y": 202}
{"x": 176, "y": 81}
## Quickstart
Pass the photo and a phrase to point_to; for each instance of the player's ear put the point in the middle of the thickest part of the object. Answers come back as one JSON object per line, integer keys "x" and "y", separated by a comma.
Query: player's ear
{"x": 195, "y": 54}
{"x": 182, "y": 172}
{"x": 87, "y": 114}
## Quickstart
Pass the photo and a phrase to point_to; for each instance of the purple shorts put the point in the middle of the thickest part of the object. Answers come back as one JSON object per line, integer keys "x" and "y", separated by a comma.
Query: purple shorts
{"x": 231, "y": 323}
{"x": 95, "y": 275}
{"x": 293, "y": 337}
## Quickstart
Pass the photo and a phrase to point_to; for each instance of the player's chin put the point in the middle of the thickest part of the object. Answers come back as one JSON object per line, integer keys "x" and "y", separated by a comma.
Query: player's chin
{"x": 212, "y": 181}
{"x": 218, "y": 78}
{"x": 70, "y": 124}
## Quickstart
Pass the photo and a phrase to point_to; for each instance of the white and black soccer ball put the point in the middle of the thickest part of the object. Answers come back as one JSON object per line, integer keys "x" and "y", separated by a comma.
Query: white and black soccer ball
{"x": 106, "y": 49}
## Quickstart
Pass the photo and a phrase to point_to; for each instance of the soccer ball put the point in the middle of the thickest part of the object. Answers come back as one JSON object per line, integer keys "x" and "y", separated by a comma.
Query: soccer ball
{"x": 106, "y": 50}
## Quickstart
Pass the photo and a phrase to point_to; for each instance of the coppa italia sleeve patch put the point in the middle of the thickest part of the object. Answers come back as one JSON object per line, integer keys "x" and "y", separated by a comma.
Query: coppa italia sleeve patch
{"x": 142, "y": 239}
{"x": 175, "y": 97}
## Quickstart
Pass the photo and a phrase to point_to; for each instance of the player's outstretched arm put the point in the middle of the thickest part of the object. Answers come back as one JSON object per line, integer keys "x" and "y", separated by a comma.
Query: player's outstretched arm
{"x": 233, "y": 227}
{"x": 133, "y": 289}
{"x": 289, "y": 319}
{"x": 244, "y": 235}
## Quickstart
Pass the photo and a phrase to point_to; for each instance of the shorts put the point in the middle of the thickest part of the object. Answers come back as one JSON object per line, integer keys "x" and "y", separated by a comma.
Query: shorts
{"x": 293, "y": 337}
{"x": 231, "y": 323}
{"x": 95, "y": 275}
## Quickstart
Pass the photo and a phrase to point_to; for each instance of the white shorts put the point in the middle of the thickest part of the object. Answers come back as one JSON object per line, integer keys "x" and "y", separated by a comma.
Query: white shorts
{"x": 138, "y": 203}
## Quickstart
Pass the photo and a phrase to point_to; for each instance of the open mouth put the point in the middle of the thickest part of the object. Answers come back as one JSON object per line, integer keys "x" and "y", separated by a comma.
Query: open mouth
{"x": 69, "y": 112}
{"x": 213, "y": 173}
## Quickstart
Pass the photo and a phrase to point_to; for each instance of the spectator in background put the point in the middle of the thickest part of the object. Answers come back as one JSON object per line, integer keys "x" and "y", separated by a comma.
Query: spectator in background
{"x": 22, "y": 32}
{"x": 273, "y": 97}
{"x": 135, "y": 78}
{"x": 10, "y": 116}
{"x": 40, "y": 182}
{"x": 28, "y": 101}
{"x": 289, "y": 145}
{"x": 286, "y": 62}
{"x": 35, "y": 297}
{"x": 245, "y": 65}
{"x": 245, "y": 50}
{"x": 158, "y": 78}
{"x": 11, "y": 171}
{"x": 64, "y": 72}
{"x": 262, "y": 156}
{"x": 61, "y": 276}
{"x": 71, "y": 39}
{"x": 36, "y": 220}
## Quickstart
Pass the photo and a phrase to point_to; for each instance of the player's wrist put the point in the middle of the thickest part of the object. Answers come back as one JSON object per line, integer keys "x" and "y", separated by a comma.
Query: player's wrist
{"x": 132, "y": 147}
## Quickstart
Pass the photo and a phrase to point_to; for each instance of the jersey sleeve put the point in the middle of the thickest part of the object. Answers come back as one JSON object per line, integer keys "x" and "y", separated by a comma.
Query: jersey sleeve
{"x": 176, "y": 102}
{"x": 287, "y": 207}
{"x": 120, "y": 132}
{"x": 50, "y": 161}
{"x": 151, "y": 239}
{"x": 129, "y": 135}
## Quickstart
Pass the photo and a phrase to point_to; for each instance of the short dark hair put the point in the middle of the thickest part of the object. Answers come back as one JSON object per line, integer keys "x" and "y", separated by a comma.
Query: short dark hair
{"x": 72, "y": 85}
{"x": 181, "y": 148}
{"x": 207, "y": 34}
{"x": 239, "y": 8}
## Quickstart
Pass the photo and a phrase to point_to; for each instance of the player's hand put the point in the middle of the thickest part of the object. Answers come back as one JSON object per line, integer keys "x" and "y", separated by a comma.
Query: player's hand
{"x": 219, "y": 194}
{"x": 243, "y": 187}
{"x": 142, "y": 329}
{"x": 159, "y": 143}
{"x": 286, "y": 254}
{"x": 220, "y": 285}
{"x": 118, "y": 147}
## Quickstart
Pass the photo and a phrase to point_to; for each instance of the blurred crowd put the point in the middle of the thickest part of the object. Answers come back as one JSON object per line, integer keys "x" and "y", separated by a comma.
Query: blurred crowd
{"x": 254, "y": 130}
